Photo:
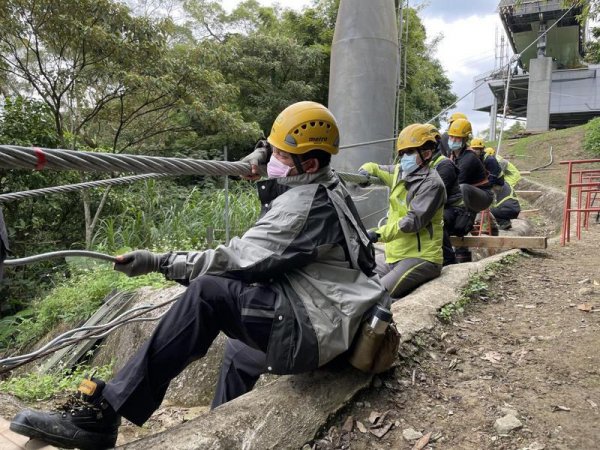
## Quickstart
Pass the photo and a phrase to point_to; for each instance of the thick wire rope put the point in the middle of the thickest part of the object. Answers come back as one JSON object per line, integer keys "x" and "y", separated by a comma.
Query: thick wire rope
{"x": 58, "y": 254}
{"x": 76, "y": 187}
{"x": 16, "y": 157}
{"x": 90, "y": 332}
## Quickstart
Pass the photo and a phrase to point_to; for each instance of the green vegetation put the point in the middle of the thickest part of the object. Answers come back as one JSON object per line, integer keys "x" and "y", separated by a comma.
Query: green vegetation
{"x": 477, "y": 285}
{"x": 34, "y": 387}
{"x": 170, "y": 218}
{"x": 74, "y": 300}
{"x": 531, "y": 144}
{"x": 183, "y": 81}
{"x": 592, "y": 137}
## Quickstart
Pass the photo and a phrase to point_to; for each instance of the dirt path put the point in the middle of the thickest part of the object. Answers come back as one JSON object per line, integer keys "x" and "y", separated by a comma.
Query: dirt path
{"x": 523, "y": 349}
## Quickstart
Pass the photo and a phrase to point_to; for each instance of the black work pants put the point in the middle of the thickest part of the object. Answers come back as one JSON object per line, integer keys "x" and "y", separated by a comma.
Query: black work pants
{"x": 209, "y": 305}
{"x": 242, "y": 367}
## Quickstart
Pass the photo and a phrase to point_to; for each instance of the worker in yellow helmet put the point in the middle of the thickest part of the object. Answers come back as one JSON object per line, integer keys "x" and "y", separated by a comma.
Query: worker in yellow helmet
{"x": 413, "y": 233}
{"x": 509, "y": 171}
{"x": 444, "y": 141}
{"x": 293, "y": 289}
{"x": 472, "y": 178}
{"x": 494, "y": 171}
{"x": 454, "y": 208}
{"x": 506, "y": 205}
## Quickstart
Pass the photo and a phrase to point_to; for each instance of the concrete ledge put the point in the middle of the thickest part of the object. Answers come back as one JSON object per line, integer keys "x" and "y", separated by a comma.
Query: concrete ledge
{"x": 289, "y": 411}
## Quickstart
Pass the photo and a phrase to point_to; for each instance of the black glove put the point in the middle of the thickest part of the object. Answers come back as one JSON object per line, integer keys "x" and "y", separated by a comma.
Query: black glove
{"x": 139, "y": 262}
{"x": 364, "y": 173}
{"x": 373, "y": 236}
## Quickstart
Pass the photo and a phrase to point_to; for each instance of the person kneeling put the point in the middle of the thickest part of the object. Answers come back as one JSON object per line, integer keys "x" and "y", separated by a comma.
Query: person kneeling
{"x": 413, "y": 233}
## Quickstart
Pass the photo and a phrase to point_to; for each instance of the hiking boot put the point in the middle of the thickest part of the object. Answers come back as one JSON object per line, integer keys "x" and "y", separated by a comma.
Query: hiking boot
{"x": 85, "y": 420}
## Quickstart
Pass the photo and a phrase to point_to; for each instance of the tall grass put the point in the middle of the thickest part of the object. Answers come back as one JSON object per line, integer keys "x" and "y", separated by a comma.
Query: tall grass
{"x": 162, "y": 218}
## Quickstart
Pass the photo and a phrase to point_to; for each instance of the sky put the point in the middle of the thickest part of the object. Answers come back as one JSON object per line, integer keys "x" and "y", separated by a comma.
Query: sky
{"x": 467, "y": 46}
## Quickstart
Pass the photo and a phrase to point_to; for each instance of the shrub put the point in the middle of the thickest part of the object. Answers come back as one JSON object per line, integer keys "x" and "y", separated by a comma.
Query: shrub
{"x": 36, "y": 386}
{"x": 591, "y": 141}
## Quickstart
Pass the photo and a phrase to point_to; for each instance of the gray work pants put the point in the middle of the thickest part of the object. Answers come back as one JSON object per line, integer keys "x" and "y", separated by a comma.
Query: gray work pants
{"x": 404, "y": 276}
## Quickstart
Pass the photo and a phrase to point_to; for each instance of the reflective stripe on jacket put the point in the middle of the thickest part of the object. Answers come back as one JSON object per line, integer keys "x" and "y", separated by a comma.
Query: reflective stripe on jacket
{"x": 306, "y": 245}
{"x": 414, "y": 228}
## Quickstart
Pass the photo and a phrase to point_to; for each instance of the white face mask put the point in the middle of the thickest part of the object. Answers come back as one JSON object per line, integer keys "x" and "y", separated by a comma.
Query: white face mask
{"x": 277, "y": 169}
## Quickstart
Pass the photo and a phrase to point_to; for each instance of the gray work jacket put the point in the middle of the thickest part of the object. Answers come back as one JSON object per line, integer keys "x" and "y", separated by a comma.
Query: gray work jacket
{"x": 311, "y": 248}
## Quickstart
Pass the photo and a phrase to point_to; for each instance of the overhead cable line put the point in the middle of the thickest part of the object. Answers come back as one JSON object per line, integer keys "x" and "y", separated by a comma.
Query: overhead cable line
{"x": 514, "y": 58}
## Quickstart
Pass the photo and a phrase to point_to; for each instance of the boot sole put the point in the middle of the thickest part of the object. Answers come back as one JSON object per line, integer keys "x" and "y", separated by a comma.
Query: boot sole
{"x": 59, "y": 441}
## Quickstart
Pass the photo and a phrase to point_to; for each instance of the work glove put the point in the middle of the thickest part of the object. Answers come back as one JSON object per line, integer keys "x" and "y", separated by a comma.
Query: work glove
{"x": 373, "y": 236}
{"x": 138, "y": 262}
{"x": 259, "y": 157}
{"x": 364, "y": 173}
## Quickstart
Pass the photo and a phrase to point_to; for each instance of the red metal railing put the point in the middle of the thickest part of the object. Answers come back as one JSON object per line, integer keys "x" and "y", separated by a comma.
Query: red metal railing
{"x": 587, "y": 188}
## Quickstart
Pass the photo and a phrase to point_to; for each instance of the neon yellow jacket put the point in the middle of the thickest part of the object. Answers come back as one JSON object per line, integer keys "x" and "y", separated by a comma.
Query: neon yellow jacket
{"x": 414, "y": 228}
{"x": 511, "y": 173}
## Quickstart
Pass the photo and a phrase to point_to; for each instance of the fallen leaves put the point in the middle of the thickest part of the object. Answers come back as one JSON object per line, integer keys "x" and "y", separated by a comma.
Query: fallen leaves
{"x": 585, "y": 307}
{"x": 422, "y": 443}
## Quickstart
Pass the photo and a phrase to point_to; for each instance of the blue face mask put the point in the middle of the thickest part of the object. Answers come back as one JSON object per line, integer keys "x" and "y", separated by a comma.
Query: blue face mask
{"x": 454, "y": 145}
{"x": 409, "y": 163}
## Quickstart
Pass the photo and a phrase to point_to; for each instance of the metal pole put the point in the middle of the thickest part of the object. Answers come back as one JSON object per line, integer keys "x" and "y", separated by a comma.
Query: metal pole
{"x": 226, "y": 200}
{"x": 514, "y": 58}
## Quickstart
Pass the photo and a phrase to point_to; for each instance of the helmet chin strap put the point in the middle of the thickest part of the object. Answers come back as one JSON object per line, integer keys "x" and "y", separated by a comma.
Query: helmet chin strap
{"x": 298, "y": 164}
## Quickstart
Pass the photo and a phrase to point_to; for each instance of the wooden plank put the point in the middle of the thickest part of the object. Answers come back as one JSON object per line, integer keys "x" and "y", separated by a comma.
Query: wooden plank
{"x": 506, "y": 242}
{"x": 528, "y": 192}
{"x": 525, "y": 172}
{"x": 114, "y": 304}
{"x": 528, "y": 212}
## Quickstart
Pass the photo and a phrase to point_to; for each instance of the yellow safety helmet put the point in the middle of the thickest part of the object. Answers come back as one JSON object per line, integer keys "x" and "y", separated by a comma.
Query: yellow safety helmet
{"x": 477, "y": 143}
{"x": 305, "y": 126}
{"x": 456, "y": 115}
{"x": 433, "y": 130}
{"x": 414, "y": 136}
{"x": 460, "y": 128}
{"x": 490, "y": 151}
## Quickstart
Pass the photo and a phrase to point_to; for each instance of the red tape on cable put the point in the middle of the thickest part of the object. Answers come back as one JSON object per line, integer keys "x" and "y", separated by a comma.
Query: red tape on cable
{"x": 41, "y": 158}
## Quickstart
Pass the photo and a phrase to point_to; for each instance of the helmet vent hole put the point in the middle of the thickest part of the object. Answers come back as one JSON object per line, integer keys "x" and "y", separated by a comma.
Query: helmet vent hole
{"x": 291, "y": 141}
{"x": 320, "y": 124}
{"x": 304, "y": 127}
{"x": 312, "y": 124}
{"x": 328, "y": 126}
{"x": 296, "y": 131}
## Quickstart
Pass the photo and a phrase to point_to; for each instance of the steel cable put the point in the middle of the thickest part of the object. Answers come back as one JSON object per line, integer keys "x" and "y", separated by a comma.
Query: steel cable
{"x": 15, "y": 157}
{"x": 90, "y": 332}
{"x": 77, "y": 187}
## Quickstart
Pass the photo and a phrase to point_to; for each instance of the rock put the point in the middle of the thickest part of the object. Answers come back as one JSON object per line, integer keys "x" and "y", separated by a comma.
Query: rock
{"x": 507, "y": 424}
{"x": 534, "y": 446}
{"x": 410, "y": 434}
{"x": 377, "y": 382}
{"x": 585, "y": 291}
{"x": 584, "y": 281}
{"x": 509, "y": 412}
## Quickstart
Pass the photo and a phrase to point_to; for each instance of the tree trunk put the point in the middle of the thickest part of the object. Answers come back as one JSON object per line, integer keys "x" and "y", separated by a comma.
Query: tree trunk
{"x": 90, "y": 223}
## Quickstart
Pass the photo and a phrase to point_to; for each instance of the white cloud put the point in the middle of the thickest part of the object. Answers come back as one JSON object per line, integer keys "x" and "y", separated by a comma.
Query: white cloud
{"x": 466, "y": 49}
